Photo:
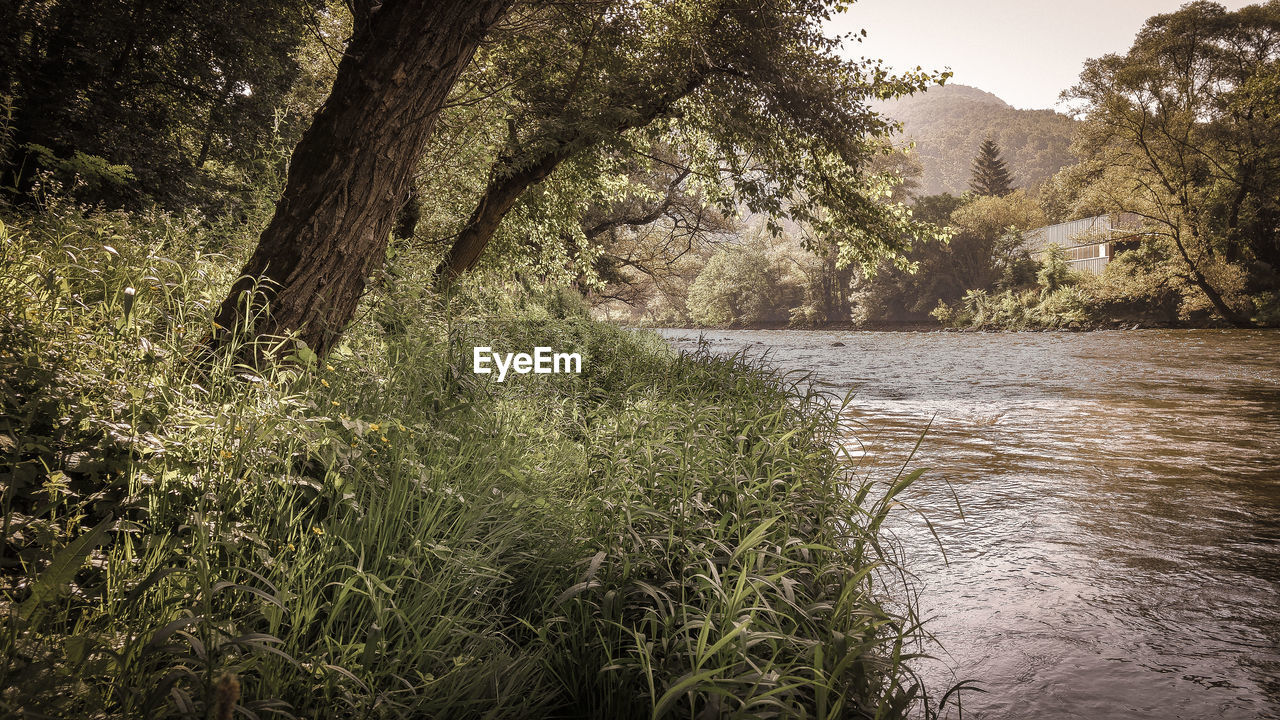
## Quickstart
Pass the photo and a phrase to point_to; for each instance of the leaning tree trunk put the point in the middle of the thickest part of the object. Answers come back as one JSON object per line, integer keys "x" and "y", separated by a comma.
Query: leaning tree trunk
{"x": 1218, "y": 302}
{"x": 350, "y": 172}
{"x": 499, "y": 196}
{"x": 508, "y": 184}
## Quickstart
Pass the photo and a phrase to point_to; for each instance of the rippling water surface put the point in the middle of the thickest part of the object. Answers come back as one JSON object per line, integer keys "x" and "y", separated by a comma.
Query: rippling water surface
{"x": 1119, "y": 552}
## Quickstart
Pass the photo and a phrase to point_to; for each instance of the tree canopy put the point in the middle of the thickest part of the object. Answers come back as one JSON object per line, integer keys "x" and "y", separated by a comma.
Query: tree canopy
{"x": 156, "y": 89}
{"x": 753, "y": 99}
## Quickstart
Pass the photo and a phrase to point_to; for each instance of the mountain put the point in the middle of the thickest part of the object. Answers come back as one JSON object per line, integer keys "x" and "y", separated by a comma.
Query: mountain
{"x": 949, "y": 122}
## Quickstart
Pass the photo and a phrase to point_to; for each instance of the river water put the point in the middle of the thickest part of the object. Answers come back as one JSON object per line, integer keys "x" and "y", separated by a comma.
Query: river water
{"x": 1119, "y": 550}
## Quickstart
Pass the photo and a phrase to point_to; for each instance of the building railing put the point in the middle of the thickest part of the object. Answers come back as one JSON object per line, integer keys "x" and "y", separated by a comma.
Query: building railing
{"x": 1094, "y": 265}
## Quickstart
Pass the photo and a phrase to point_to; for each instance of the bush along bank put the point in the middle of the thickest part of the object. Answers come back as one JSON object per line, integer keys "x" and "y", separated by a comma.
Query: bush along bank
{"x": 1137, "y": 289}
{"x": 383, "y": 533}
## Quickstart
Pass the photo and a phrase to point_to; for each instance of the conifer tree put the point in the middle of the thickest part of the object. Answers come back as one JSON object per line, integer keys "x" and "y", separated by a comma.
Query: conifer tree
{"x": 990, "y": 175}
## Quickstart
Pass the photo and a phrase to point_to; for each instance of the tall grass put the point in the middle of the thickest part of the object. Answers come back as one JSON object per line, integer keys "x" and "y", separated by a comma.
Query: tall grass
{"x": 385, "y": 534}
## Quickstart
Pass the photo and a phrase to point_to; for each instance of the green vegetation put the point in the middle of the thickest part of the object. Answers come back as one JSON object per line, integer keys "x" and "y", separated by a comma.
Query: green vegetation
{"x": 1140, "y": 287}
{"x": 246, "y": 469}
{"x": 1065, "y": 307}
{"x": 382, "y": 533}
{"x": 184, "y": 95}
{"x": 245, "y": 466}
{"x": 746, "y": 285}
{"x": 1178, "y": 133}
{"x": 1183, "y": 130}
{"x": 984, "y": 252}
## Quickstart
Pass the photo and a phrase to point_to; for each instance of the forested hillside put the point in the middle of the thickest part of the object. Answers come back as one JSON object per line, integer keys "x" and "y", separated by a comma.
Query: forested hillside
{"x": 949, "y": 122}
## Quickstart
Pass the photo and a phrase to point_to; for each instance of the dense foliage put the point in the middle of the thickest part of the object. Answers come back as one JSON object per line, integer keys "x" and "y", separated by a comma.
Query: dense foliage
{"x": 204, "y": 515}
{"x": 1184, "y": 131}
{"x": 985, "y": 250}
{"x": 133, "y": 101}
{"x": 754, "y": 107}
{"x": 298, "y": 501}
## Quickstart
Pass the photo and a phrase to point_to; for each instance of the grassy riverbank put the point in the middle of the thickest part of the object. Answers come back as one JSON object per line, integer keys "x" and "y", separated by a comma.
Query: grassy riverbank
{"x": 385, "y": 534}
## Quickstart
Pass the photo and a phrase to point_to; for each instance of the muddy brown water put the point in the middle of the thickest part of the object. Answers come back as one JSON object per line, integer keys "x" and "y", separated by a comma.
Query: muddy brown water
{"x": 1119, "y": 550}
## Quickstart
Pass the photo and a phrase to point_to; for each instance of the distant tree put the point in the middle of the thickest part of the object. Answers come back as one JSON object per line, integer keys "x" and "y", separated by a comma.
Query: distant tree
{"x": 984, "y": 250}
{"x": 743, "y": 285}
{"x": 990, "y": 175}
{"x": 937, "y": 209}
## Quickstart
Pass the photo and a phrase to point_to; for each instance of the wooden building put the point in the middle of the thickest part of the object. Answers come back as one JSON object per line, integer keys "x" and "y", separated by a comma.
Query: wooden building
{"x": 1089, "y": 244}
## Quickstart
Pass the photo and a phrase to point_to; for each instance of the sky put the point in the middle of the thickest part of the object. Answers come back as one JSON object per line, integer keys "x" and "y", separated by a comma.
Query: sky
{"x": 1025, "y": 51}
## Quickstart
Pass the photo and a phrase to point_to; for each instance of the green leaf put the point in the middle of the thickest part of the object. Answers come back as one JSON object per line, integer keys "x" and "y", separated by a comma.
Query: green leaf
{"x": 62, "y": 570}
{"x": 304, "y": 354}
{"x": 683, "y": 685}
{"x": 754, "y": 537}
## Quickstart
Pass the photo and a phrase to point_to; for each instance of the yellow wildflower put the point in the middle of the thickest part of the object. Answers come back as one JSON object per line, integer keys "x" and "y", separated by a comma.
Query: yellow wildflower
{"x": 324, "y": 382}
{"x": 374, "y": 427}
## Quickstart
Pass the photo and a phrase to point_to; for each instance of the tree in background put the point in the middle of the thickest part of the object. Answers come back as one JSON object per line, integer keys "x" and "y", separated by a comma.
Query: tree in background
{"x": 350, "y": 173}
{"x": 811, "y": 282}
{"x": 1183, "y": 130}
{"x": 744, "y": 285}
{"x": 156, "y": 90}
{"x": 990, "y": 175}
{"x": 988, "y": 247}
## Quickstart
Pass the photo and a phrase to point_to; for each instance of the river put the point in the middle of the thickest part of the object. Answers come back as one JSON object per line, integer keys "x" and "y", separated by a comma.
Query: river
{"x": 1119, "y": 550}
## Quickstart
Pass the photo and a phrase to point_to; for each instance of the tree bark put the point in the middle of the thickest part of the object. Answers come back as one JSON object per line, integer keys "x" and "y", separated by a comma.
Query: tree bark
{"x": 350, "y": 172}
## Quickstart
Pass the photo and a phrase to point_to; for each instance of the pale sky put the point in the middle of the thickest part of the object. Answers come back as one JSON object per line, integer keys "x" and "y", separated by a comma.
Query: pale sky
{"x": 1025, "y": 51}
